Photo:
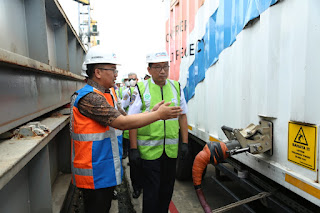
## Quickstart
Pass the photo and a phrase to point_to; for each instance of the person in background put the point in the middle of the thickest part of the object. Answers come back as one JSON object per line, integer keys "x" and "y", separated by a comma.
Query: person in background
{"x": 127, "y": 98}
{"x": 121, "y": 86}
{"x": 117, "y": 86}
{"x": 155, "y": 146}
{"x": 126, "y": 83}
{"x": 135, "y": 170}
{"x": 95, "y": 129}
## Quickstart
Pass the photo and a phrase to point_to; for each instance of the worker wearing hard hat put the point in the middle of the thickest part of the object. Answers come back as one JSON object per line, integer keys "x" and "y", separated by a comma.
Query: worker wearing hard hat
{"x": 96, "y": 136}
{"x": 118, "y": 89}
{"x": 155, "y": 146}
{"x": 118, "y": 83}
{"x": 125, "y": 84}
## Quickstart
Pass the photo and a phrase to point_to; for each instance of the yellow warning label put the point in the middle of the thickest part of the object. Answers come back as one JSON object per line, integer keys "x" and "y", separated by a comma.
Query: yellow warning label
{"x": 302, "y": 143}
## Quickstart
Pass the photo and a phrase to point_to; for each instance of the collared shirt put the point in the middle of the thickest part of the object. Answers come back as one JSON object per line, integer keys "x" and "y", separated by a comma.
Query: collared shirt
{"x": 136, "y": 104}
{"x": 96, "y": 107}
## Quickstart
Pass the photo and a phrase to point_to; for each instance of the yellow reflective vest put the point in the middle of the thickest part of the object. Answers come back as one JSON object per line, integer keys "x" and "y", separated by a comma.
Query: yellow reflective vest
{"x": 161, "y": 135}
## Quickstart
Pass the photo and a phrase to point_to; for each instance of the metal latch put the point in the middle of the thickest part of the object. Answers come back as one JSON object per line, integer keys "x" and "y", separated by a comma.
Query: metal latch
{"x": 254, "y": 138}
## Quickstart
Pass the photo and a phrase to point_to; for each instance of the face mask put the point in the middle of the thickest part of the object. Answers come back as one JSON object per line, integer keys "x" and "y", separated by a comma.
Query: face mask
{"x": 133, "y": 83}
{"x": 127, "y": 83}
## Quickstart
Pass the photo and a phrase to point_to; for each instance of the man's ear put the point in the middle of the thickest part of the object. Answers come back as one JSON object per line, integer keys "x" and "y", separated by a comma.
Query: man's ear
{"x": 97, "y": 73}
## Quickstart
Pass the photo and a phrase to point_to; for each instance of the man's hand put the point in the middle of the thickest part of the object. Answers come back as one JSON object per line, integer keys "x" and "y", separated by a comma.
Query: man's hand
{"x": 134, "y": 157}
{"x": 166, "y": 112}
{"x": 156, "y": 107}
{"x": 184, "y": 150}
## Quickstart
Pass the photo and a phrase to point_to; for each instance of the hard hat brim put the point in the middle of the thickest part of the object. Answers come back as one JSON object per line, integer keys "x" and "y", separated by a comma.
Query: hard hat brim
{"x": 158, "y": 61}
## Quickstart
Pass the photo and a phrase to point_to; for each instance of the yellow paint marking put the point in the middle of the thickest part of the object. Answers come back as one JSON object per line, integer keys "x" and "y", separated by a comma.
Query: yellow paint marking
{"x": 213, "y": 139}
{"x": 190, "y": 127}
{"x": 303, "y": 186}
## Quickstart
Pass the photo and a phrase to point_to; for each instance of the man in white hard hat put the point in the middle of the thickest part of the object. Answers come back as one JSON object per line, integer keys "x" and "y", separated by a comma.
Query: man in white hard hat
{"x": 118, "y": 83}
{"x": 126, "y": 83}
{"x": 117, "y": 89}
{"x": 96, "y": 136}
{"x": 155, "y": 146}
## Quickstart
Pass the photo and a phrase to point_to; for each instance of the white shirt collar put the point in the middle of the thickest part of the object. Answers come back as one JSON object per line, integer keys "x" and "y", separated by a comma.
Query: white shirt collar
{"x": 155, "y": 83}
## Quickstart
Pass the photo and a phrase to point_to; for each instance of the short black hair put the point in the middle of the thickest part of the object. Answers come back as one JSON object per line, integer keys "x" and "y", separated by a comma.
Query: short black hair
{"x": 149, "y": 64}
{"x": 90, "y": 70}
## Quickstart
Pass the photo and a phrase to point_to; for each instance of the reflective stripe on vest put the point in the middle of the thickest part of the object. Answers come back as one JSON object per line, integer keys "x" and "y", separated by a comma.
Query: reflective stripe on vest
{"x": 156, "y": 142}
{"x": 160, "y": 135}
{"x": 96, "y": 150}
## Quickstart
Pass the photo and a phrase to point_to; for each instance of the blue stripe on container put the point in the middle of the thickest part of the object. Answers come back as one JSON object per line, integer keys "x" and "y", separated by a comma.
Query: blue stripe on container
{"x": 221, "y": 31}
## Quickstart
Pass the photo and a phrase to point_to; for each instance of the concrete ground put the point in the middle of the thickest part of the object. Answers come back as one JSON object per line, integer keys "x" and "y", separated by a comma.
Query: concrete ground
{"x": 184, "y": 198}
{"x": 137, "y": 203}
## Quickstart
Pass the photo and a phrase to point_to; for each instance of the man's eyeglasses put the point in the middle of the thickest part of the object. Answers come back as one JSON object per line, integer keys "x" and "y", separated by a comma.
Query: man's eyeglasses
{"x": 132, "y": 79}
{"x": 158, "y": 69}
{"x": 114, "y": 70}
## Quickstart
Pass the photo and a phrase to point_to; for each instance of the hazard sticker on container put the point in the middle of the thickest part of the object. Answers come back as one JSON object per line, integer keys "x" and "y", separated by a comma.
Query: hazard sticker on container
{"x": 302, "y": 143}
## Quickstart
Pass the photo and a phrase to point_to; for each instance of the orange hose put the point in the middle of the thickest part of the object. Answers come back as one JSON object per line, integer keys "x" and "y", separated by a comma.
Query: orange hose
{"x": 204, "y": 157}
{"x": 199, "y": 164}
{"x": 214, "y": 153}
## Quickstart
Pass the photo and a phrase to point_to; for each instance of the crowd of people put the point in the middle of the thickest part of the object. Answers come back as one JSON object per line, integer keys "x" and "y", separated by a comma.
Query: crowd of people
{"x": 140, "y": 119}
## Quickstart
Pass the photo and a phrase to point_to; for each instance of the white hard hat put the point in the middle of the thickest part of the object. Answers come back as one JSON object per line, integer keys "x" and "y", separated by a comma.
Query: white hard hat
{"x": 125, "y": 76}
{"x": 157, "y": 57}
{"x": 118, "y": 81}
{"x": 99, "y": 55}
{"x": 84, "y": 70}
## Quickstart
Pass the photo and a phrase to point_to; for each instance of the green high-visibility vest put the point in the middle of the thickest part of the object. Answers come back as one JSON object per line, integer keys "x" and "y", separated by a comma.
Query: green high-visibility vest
{"x": 119, "y": 92}
{"x": 161, "y": 135}
{"x": 126, "y": 132}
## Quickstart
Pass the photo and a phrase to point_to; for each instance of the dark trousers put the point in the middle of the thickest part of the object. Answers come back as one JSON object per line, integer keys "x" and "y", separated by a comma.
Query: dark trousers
{"x": 125, "y": 146}
{"x": 97, "y": 200}
{"x": 135, "y": 175}
{"x": 158, "y": 184}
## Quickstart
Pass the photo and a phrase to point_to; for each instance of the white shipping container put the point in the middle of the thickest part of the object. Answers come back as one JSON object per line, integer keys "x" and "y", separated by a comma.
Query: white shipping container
{"x": 269, "y": 71}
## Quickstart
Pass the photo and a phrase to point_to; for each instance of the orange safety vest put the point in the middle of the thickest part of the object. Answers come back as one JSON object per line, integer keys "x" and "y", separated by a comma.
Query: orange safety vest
{"x": 96, "y": 150}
